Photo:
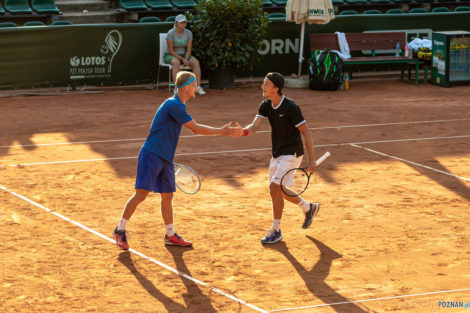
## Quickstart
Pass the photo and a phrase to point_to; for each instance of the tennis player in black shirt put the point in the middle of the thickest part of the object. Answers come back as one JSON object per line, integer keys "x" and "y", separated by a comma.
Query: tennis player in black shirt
{"x": 287, "y": 125}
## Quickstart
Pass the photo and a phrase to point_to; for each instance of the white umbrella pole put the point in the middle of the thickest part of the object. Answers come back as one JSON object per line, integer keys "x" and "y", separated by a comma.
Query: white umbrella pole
{"x": 301, "y": 52}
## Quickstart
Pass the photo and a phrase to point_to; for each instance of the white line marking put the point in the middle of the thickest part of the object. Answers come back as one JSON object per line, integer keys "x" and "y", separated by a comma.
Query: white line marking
{"x": 243, "y": 150}
{"x": 73, "y": 142}
{"x": 410, "y": 162}
{"x": 368, "y": 300}
{"x": 133, "y": 251}
{"x": 261, "y": 131}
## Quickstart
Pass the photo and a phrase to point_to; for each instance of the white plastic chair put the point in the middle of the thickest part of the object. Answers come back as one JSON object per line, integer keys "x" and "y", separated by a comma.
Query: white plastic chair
{"x": 161, "y": 62}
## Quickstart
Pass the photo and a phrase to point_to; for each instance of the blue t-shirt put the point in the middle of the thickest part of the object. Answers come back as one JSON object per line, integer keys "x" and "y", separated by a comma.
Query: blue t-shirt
{"x": 166, "y": 128}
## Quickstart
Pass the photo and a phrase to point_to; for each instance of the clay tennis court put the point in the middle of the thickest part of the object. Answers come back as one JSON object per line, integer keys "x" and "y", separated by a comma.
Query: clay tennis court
{"x": 392, "y": 234}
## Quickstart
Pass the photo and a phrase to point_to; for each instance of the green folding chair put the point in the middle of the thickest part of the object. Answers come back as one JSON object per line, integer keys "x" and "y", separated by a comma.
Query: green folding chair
{"x": 363, "y": 2}
{"x": 17, "y": 6}
{"x": 132, "y": 5}
{"x": 44, "y": 6}
{"x": 267, "y": 3}
{"x": 462, "y": 9}
{"x": 379, "y": 1}
{"x": 417, "y": 11}
{"x": 371, "y": 12}
{"x": 150, "y": 19}
{"x": 279, "y": 2}
{"x": 2, "y": 10}
{"x": 183, "y": 4}
{"x": 348, "y": 12}
{"x": 34, "y": 23}
{"x": 8, "y": 24}
{"x": 337, "y": 2}
{"x": 159, "y": 4}
{"x": 170, "y": 18}
{"x": 61, "y": 23}
{"x": 440, "y": 9}
{"x": 395, "y": 11}
{"x": 277, "y": 17}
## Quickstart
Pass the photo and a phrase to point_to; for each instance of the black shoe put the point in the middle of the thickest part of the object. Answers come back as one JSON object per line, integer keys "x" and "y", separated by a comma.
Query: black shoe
{"x": 314, "y": 208}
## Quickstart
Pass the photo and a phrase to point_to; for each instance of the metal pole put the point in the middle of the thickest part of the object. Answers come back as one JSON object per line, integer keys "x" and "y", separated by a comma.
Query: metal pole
{"x": 301, "y": 52}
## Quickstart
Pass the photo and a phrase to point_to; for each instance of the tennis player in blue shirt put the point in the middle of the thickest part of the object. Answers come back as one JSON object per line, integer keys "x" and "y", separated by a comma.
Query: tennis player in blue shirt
{"x": 155, "y": 170}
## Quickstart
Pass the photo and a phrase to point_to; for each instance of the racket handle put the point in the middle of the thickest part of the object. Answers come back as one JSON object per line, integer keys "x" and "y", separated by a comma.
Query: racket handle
{"x": 323, "y": 158}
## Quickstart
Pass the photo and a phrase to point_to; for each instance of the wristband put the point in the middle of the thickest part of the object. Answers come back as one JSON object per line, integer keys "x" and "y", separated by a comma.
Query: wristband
{"x": 246, "y": 132}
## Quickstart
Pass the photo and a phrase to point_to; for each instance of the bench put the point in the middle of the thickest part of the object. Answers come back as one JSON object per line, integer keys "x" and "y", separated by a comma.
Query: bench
{"x": 368, "y": 41}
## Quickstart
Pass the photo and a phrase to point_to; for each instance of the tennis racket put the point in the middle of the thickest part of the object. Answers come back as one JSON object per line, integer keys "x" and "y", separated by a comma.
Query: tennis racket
{"x": 186, "y": 179}
{"x": 301, "y": 178}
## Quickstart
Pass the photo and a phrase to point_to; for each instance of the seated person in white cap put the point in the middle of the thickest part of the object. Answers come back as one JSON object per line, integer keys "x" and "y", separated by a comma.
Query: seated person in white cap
{"x": 179, "y": 41}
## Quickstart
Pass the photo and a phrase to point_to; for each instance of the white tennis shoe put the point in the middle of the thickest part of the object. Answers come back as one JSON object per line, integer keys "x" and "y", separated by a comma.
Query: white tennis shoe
{"x": 200, "y": 91}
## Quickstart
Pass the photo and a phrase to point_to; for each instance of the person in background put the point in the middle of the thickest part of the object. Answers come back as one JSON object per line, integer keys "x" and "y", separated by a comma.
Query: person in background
{"x": 179, "y": 41}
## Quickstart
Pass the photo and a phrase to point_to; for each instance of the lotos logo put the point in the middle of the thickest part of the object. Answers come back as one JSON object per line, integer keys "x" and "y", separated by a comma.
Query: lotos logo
{"x": 74, "y": 61}
{"x": 87, "y": 61}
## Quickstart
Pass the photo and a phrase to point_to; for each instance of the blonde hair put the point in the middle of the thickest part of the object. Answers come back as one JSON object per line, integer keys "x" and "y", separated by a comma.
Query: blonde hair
{"x": 183, "y": 77}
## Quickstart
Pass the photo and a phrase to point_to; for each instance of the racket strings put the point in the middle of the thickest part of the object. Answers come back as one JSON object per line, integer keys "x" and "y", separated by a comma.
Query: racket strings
{"x": 186, "y": 179}
{"x": 297, "y": 183}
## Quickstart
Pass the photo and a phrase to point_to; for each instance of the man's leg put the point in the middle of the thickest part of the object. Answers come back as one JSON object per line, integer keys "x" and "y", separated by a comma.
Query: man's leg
{"x": 309, "y": 209}
{"x": 132, "y": 204}
{"x": 167, "y": 208}
{"x": 129, "y": 209}
{"x": 274, "y": 235}
{"x": 277, "y": 200}
{"x": 171, "y": 237}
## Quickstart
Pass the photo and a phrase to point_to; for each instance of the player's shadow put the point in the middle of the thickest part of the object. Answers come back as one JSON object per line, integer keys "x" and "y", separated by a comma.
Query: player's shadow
{"x": 25, "y": 142}
{"x": 315, "y": 278}
{"x": 195, "y": 299}
{"x": 170, "y": 305}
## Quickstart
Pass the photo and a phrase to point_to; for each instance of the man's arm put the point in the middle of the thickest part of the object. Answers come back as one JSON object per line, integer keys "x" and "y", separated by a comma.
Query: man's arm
{"x": 226, "y": 130}
{"x": 252, "y": 128}
{"x": 303, "y": 128}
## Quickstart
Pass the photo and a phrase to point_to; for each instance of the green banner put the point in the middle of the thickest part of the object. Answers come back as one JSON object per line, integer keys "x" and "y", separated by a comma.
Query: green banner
{"x": 115, "y": 54}
{"x": 111, "y": 54}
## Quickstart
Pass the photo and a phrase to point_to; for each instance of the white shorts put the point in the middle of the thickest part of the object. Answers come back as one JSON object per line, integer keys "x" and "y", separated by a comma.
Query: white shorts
{"x": 280, "y": 165}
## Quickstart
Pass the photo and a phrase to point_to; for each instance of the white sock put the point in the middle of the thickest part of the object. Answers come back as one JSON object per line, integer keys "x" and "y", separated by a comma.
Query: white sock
{"x": 305, "y": 206}
{"x": 170, "y": 230}
{"x": 122, "y": 224}
{"x": 276, "y": 225}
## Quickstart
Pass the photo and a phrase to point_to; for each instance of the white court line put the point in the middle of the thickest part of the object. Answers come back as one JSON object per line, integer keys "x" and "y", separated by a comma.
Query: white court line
{"x": 261, "y": 131}
{"x": 410, "y": 162}
{"x": 243, "y": 150}
{"x": 368, "y": 300}
{"x": 171, "y": 269}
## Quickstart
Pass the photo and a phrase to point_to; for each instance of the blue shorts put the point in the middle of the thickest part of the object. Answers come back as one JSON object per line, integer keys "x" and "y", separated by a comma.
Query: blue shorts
{"x": 154, "y": 173}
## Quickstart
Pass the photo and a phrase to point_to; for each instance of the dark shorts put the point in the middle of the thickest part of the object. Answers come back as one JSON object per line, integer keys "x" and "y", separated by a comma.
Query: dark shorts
{"x": 154, "y": 173}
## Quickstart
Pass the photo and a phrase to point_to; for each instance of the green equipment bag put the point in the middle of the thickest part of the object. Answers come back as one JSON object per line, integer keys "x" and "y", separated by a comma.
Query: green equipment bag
{"x": 325, "y": 70}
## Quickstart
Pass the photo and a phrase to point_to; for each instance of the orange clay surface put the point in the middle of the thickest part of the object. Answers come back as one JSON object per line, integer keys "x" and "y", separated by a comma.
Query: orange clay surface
{"x": 386, "y": 228}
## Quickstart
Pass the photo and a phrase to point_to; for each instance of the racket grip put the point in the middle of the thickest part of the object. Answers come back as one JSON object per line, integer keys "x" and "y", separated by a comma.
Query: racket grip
{"x": 323, "y": 158}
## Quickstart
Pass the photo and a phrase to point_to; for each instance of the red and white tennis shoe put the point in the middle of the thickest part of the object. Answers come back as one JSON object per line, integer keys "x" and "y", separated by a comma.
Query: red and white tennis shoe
{"x": 121, "y": 239}
{"x": 176, "y": 240}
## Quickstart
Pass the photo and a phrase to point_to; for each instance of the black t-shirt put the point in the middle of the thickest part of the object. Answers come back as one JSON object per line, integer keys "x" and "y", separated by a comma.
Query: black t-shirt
{"x": 284, "y": 120}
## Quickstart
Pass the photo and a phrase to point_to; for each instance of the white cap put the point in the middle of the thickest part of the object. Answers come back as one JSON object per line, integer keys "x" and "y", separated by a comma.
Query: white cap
{"x": 180, "y": 18}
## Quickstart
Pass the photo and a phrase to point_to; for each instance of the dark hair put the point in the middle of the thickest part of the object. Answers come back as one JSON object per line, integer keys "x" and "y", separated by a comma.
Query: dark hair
{"x": 277, "y": 79}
